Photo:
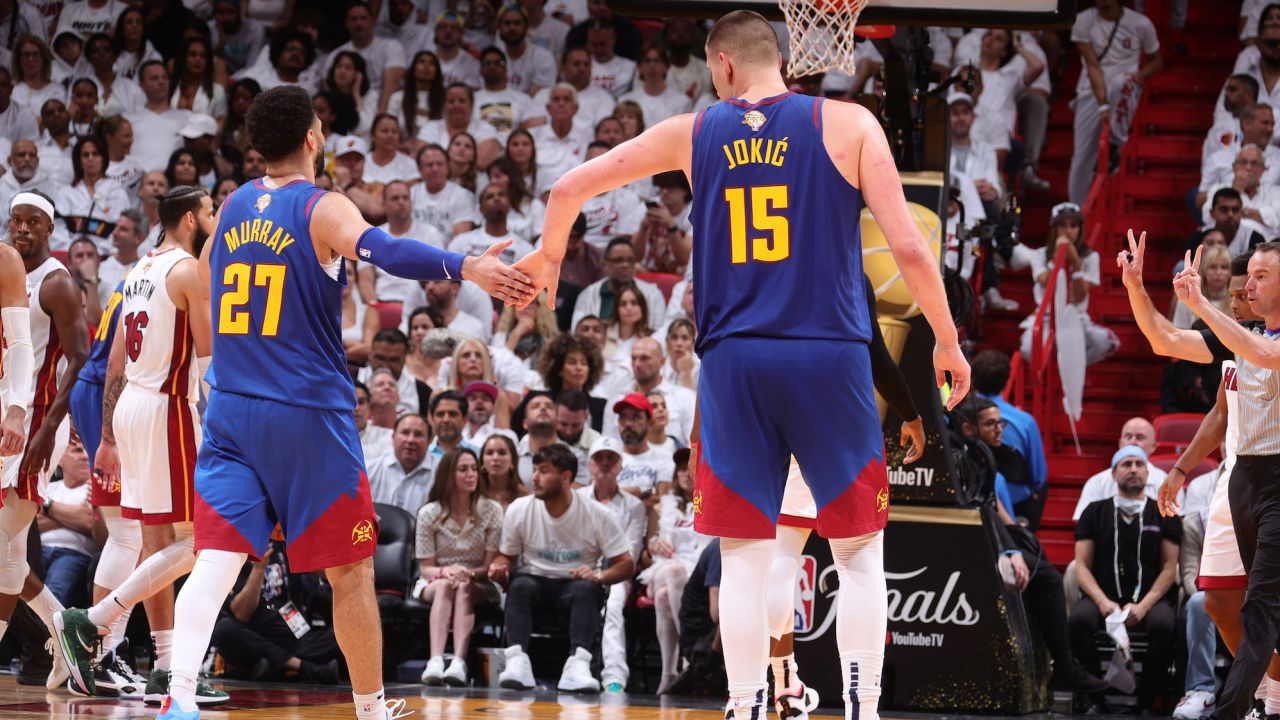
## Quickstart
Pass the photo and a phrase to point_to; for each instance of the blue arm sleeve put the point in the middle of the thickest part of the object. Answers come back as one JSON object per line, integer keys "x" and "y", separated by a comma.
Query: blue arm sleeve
{"x": 408, "y": 258}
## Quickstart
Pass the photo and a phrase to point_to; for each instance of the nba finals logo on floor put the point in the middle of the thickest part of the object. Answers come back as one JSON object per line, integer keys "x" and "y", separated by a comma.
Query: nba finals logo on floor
{"x": 362, "y": 532}
{"x": 263, "y": 202}
{"x": 754, "y": 119}
{"x": 804, "y": 602}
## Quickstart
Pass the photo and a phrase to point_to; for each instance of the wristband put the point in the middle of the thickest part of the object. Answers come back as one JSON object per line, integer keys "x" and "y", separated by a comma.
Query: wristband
{"x": 1012, "y": 551}
{"x": 1103, "y": 107}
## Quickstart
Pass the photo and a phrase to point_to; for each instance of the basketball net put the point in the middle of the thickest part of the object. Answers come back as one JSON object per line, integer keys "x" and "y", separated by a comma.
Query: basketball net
{"x": 821, "y": 35}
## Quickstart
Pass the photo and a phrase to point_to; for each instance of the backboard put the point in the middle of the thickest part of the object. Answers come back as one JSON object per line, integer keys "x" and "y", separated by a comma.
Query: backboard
{"x": 1024, "y": 14}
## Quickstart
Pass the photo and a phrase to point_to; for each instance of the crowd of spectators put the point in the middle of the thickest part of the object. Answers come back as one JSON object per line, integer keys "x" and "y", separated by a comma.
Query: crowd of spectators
{"x": 543, "y": 453}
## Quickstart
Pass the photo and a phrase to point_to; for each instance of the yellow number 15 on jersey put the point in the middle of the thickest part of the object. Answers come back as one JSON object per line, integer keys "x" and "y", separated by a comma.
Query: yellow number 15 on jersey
{"x": 764, "y": 199}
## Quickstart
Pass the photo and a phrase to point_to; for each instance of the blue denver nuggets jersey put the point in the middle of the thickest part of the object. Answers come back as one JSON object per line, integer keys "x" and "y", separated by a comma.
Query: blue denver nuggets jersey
{"x": 277, "y": 314}
{"x": 95, "y": 368}
{"x": 777, "y": 246}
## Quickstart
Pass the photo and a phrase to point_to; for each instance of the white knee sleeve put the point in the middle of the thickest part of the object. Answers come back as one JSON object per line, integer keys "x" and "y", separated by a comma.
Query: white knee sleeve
{"x": 781, "y": 597}
{"x": 15, "y": 520}
{"x": 120, "y": 552}
{"x": 862, "y": 620}
{"x": 744, "y": 577}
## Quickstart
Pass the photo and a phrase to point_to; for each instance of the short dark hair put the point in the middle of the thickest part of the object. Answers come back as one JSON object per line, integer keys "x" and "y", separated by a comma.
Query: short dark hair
{"x": 534, "y": 394}
{"x": 396, "y": 425}
{"x": 392, "y": 336}
{"x": 1248, "y": 81}
{"x": 990, "y": 371}
{"x": 286, "y": 35}
{"x": 573, "y": 400}
{"x": 142, "y": 69}
{"x": 493, "y": 50}
{"x": 361, "y": 67}
{"x": 437, "y": 319}
{"x": 598, "y": 144}
{"x": 620, "y": 240}
{"x": 1240, "y": 264}
{"x": 1228, "y": 193}
{"x": 674, "y": 180}
{"x": 564, "y": 56}
{"x": 430, "y": 147}
{"x": 365, "y": 388}
{"x": 453, "y": 395}
{"x": 746, "y": 35}
{"x": 972, "y": 407}
{"x": 178, "y": 202}
{"x": 83, "y": 239}
{"x": 559, "y": 456}
{"x": 579, "y": 225}
{"x": 278, "y": 121}
{"x": 358, "y": 4}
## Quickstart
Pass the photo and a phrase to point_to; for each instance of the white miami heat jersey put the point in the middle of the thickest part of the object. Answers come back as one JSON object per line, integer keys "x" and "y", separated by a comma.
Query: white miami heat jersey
{"x": 45, "y": 344}
{"x": 158, "y": 346}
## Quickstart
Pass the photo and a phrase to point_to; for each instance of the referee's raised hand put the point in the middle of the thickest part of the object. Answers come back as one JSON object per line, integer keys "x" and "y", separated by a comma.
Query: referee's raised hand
{"x": 1130, "y": 261}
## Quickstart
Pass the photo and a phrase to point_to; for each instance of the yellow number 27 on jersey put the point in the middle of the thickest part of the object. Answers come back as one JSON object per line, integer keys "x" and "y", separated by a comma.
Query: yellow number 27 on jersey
{"x": 765, "y": 199}
{"x": 233, "y": 315}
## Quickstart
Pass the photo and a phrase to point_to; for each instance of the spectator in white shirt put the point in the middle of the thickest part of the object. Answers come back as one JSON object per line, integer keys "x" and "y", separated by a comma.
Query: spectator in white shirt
{"x": 1261, "y": 201}
{"x": 443, "y": 295}
{"x": 456, "y": 64}
{"x": 84, "y": 107}
{"x": 289, "y": 61}
{"x": 238, "y": 39}
{"x": 132, "y": 44}
{"x": 436, "y": 201}
{"x": 459, "y": 116}
{"x": 522, "y": 151}
{"x": 481, "y": 416}
{"x": 529, "y": 66}
{"x": 973, "y": 159}
{"x": 33, "y": 74}
{"x": 1257, "y": 124}
{"x": 375, "y": 440}
{"x": 194, "y": 87}
{"x": 1136, "y": 431}
{"x": 378, "y": 284}
{"x": 91, "y": 204}
{"x": 593, "y": 103}
{"x": 123, "y": 169}
{"x": 55, "y": 143}
{"x": 90, "y": 16}
{"x": 646, "y": 362}
{"x": 24, "y": 172}
{"x": 608, "y": 71}
{"x": 383, "y": 56}
{"x": 1239, "y": 92}
{"x": 131, "y": 229}
{"x": 545, "y": 30}
{"x": 494, "y": 206}
{"x": 664, "y": 240}
{"x": 525, "y": 218}
{"x": 156, "y": 121}
{"x": 462, "y": 160}
{"x": 502, "y": 106}
{"x": 422, "y": 97}
{"x": 16, "y": 122}
{"x": 561, "y": 143}
{"x": 386, "y": 163}
{"x": 646, "y": 471}
{"x": 116, "y": 93}
{"x": 66, "y": 526}
{"x": 620, "y": 270}
{"x": 384, "y": 399}
{"x": 688, "y": 73}
{"x": 402, "y": 477}
{"x": 655, "y": 97}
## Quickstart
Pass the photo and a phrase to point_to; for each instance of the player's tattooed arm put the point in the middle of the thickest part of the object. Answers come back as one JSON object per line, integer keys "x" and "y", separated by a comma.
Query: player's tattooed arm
{"x": 114, "y": 383}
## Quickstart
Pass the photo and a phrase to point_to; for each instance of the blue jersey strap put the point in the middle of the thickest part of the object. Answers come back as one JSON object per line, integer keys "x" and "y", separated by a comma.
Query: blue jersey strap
{"x": 409, "y": 259}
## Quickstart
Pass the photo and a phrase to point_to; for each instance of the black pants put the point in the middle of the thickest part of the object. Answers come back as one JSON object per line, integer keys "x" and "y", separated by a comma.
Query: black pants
{"x": 530, "y": 594}
{"x": 1254, "y": 495}
{"x": 1086, "y": 620}
{"x": 1046, "y": 605}
{"x": 243, "y": 644}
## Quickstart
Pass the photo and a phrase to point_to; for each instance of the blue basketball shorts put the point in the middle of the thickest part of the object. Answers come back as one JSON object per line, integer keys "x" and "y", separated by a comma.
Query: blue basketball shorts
{"x": 265, "y": 462}
{"x": 762, "y": 400}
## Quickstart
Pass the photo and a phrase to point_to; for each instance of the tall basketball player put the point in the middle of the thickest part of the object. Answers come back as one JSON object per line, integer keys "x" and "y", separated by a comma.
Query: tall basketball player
{"x": 779, "y": 180}
{"x": 1222, "y": 572}
{"x": 149, "y": 398}
{"x": 113, "y": 676}
{"x": 59, "y": 341}
{"x": 281, "y": 443}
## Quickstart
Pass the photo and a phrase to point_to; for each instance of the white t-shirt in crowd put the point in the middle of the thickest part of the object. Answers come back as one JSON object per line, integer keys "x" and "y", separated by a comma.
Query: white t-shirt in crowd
{"x": 402, "y": 167}
{"x": 434, "y": 131}
{"x": 18, "y": 123}
{"x": 453, "y": 204}
{"x": 381, "y": 55}
{"x": 614, "y": 76}
{"x": 463, "y": 69}
{"x": 692, "y": 79}
{"x": 594, "y": 105}
{"x": 551, "y": 34}
{"x": 617, "y": 212}
{"x": 127, "y": 173}
{"x": 505, "y": 110}
{"x": 646, "y": 470}
{"x": 1135, "y": 37}
{"x": 536, "y": 67}
{"x": 85, "y": 20}
{"x": 657, "y": 108}
{"x": 110, "y": 273}
{"x": 156, "y": 136}
{"x": 1090, "y": 266}
{"x": 558, "y": 155}
{"x": 65, "y": 537}
{"x": 397, "y": 289}
{"x": 475, "y": 242}
{"x": 553, "y": 547}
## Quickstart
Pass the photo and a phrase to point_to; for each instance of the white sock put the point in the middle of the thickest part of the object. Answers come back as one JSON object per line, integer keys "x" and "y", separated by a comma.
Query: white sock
{"x": 370, "y": 706}
{"x": 861, "y": 621}
{"x": 786, "y": 678}
{"x": 45, "y": 605}
{"x": 745, "y": 566}
{"x": 163, "y": 640}
{"x": 194, "y": 615}
{"x": 1273, "y": 698}
{"x": 115, "y": 634}
{"x": 155, "y": 573}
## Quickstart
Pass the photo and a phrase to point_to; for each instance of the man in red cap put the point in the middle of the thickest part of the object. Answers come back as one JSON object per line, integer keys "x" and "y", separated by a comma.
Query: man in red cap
{"x": 646, "y": 471}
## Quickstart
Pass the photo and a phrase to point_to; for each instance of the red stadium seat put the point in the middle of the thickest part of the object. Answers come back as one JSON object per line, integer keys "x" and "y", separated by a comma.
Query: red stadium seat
{"x": 1165, "y": 462}
{"x": 664, "y": 281}
{"x": 389, "y": 313}
{"x": 1174, "y": 431}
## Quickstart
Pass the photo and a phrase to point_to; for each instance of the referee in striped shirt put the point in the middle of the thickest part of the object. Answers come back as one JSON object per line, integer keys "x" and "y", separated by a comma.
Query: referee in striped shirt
{"x": 1256, "y": 513}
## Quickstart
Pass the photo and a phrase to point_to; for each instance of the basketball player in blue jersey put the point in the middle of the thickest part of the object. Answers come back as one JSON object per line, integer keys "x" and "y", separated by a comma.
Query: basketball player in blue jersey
{"x": 779, "y": 181}
{"x": 280, "y": 441}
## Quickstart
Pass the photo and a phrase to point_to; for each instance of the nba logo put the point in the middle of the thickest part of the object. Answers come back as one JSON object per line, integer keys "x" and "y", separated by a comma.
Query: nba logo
{"x": 804, "y": 594}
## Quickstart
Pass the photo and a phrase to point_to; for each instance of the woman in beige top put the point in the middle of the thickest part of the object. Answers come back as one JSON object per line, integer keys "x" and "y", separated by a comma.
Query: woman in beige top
{"x": 458, "y": 534}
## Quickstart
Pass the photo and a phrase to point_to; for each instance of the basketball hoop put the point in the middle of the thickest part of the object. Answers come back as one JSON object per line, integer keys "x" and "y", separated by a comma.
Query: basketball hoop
{"x": 821, "y": 34}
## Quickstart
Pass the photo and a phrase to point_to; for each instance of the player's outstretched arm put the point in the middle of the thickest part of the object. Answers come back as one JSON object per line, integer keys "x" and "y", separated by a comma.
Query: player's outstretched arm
{"x": 1165, "y": 339}
{"x": 665, "y": 146}
{"x": 15, "y": 318}
{"x": 338, "y": 227}
{"x": 60, "y": 297}
{"x": 868, "y": 165}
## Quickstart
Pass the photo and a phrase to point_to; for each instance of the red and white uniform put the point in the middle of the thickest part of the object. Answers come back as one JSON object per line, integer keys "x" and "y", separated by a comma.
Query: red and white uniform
{"x": 1220, "y": 563}
{"x": 798, "y": 507}
{"x": 49, "y": 366}
{"x": 156, "y": 425}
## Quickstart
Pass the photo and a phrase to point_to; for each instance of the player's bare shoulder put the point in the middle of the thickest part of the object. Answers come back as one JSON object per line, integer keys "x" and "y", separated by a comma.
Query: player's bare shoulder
{"x": 845, "y": 127}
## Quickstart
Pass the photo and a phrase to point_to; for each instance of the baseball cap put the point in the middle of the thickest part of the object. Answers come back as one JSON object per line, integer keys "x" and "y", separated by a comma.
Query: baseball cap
{"x": 1127, "y": 451}
{"x": 199, "y": 125}
{"x": 634, "y": 400}
{"x": 350, "y": 144}
{"x": 606, "y": 444}
{"x": 956, "y": 97}
{"x": 480, "y": 386}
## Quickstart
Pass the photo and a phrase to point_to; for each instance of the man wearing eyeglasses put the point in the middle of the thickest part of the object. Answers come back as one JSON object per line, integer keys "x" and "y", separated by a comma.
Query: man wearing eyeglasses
{"x": 1260, "y": 201}
{"x": 619, "y": 269}
{"x": 1025, "y": 493}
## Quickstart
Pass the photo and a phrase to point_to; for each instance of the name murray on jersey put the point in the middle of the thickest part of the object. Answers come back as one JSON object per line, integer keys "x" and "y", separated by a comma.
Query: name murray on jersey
{"x": 257, "y": 230}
